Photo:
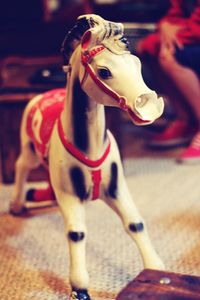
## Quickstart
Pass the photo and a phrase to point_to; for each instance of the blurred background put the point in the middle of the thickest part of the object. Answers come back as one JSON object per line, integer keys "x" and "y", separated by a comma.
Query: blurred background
{"x": 33, "y": 266}
{"x": 31, "y": 33}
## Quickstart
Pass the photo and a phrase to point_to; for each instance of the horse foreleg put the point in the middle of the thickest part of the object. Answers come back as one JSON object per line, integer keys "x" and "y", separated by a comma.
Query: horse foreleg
{"x": 74, "y": 216}
{"x": 124, "y": 206}
{"x": 26, "y": 161}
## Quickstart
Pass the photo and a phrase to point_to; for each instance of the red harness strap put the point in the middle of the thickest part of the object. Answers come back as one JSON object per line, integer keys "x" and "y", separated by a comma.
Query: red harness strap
{"x": 85, "y": 59}
{"x": 96, "y": 174}
{"x": 96, "y": 179}
{"x": 78, "y": 154}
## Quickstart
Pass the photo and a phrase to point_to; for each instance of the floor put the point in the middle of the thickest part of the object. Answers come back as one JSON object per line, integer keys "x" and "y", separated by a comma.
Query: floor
{"x": 35, "y": 266}
{"x": 34, "y": 255}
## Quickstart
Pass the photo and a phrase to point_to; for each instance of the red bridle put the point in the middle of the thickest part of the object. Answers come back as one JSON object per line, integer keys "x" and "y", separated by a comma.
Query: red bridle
{"x": 86, "y": 58}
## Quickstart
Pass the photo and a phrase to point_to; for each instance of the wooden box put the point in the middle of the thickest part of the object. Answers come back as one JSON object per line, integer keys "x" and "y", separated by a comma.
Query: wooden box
{"x": 159, "y": 285}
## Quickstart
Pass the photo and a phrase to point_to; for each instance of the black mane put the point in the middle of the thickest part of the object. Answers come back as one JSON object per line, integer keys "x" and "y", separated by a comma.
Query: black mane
{"x": 84, "y": 23}
{"x": 73, "y": 37}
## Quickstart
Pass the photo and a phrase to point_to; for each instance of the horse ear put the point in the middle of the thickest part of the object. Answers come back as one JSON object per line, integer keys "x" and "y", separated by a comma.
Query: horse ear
{"x": 91, "y": 38}
{"x": 86, "y": 39}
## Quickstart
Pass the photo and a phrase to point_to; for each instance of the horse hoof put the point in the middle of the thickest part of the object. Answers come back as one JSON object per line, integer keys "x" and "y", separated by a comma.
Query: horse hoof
{"x": 80, "y": 295}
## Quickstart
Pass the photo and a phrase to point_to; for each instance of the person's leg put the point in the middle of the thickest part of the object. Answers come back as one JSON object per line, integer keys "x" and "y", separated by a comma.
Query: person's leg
{"x": 180, "y": 130}
{"x": 148, "y": 50}
{"x": 162, "y": 83}
{"x": 186, "y": 80}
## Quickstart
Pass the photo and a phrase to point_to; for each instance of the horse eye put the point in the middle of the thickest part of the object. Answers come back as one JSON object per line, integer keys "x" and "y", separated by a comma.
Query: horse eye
{"x": 104, "y": 73}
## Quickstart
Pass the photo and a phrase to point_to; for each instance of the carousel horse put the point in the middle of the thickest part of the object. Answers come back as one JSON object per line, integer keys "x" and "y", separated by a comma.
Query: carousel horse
{"x": 65, "y": 129}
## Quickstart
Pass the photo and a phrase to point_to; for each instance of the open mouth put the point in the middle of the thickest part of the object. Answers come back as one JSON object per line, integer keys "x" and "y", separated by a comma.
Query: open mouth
{"x": 136, "y": 120}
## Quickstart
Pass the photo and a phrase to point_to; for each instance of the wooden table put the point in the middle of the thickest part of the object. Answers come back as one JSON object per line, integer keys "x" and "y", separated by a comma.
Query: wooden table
{"x": 16, "y": 89}
{"x": 159, "y": 285}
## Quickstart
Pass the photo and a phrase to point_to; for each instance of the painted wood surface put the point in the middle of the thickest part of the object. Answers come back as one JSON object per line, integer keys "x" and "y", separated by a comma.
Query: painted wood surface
{"x": 153, "y": 285}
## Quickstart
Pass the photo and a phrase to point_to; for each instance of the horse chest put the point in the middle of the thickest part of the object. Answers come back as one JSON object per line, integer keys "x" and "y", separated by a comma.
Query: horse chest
{"x": 87, "y": 184}
{"x": 41, "y": 119}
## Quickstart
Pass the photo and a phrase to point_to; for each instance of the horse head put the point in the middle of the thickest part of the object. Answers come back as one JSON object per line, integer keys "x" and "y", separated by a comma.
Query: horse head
{"x": 108, "y": 72}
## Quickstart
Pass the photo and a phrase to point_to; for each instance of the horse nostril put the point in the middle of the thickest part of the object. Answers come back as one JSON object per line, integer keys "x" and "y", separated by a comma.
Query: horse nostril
{"x": 148, "y": 106}
{"x": 144, "y": 98}
{"x": 141, "y": 101}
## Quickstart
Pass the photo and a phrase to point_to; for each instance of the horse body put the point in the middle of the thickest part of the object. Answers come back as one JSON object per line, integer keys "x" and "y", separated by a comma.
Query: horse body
{"x": 83, "y": 157}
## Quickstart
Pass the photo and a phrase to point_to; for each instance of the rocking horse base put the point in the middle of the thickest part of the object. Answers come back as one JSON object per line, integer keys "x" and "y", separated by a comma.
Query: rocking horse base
{"x": 35, "y": 199}
{"x": 33, "y": 206}
{"x": 40, "y": 198}
{"x": 152, "y": 285}
{"x": 41, "y": 204}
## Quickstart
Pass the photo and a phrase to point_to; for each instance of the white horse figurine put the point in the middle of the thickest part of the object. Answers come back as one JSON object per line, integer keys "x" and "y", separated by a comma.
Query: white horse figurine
{"x": 66, "y": 130}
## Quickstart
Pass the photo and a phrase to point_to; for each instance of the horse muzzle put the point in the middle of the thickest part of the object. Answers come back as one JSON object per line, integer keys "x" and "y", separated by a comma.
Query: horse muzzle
{"x": 147, "y": 108}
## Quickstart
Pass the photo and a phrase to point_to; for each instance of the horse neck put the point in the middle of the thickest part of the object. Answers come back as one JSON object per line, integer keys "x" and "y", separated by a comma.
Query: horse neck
{"x": 83, "y": 118}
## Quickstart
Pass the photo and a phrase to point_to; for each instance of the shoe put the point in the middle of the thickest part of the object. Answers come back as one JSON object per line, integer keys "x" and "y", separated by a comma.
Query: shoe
{"x": 192, "y": 153}
{"x": 176, "y": 134}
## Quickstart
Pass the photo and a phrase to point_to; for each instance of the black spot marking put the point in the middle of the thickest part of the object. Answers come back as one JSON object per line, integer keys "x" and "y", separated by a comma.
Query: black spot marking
{"x": 78, "y": 182}
{"x": 112, "y": 189}
{"x": 76, "y": 236}
{"x": 136, "y": 227}
{"x": 110, "y": 29}
{"x": 80, "y": 107}
{"x": 32, "y": 147}
{"x": 105, "y": 135}
{"x": 105, "y": 32}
